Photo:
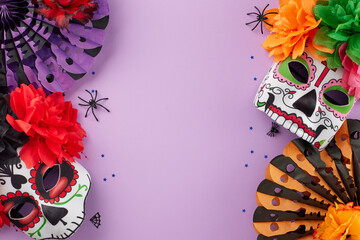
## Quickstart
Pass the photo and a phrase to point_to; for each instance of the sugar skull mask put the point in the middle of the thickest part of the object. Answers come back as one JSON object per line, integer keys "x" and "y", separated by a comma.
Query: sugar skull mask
{"x": 45, "y": 203}
{"x": 306, "y": 97}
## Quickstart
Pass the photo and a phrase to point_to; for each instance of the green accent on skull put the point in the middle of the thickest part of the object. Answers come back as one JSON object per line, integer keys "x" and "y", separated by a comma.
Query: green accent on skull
{"x": 38, "y": 231}
{"x": 285, "y": 71}
{"x": 260, "y": 104}
{"x": 75, "y": 195}
{"x": 341, "y": 109}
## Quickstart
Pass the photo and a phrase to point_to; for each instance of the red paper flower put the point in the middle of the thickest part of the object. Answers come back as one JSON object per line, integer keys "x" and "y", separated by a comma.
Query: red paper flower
{"x": 50, "y": 122}
{"x": 3, "y": 218}
{"x": 63, "y": 10}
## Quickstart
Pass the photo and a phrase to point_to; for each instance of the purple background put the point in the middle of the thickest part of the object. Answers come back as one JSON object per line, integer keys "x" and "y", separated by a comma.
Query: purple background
{"x": 181, "y": 83}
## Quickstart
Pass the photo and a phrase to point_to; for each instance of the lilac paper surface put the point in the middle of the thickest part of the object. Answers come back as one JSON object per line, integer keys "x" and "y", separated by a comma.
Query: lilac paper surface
{"x": 180, "y": 79}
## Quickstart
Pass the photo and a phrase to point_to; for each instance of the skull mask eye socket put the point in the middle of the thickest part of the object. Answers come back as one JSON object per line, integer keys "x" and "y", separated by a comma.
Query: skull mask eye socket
{"x": 51, "y": 178}
{"x": 335, "y": 97}
{"x": 22, "y": 209}
{"x": 295, "y": 70}
{"x": 52, "y": 184}
{"x": 299, "y": 72}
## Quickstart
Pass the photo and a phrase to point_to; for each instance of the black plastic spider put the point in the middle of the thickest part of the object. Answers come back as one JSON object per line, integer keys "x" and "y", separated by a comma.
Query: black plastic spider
{"x": 96, "y": 220}
{"x": 260, "y": 18}
{"x": 93, "y": 103}
{"x": 274, "y": 130}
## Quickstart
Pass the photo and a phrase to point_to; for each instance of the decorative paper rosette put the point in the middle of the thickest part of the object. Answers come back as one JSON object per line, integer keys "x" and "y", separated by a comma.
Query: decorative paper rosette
{"x": 49, "y": 43}
{"x": 309, "y": 194}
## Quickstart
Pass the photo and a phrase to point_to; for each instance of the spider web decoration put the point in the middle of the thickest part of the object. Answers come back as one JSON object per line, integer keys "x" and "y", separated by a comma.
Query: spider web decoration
{"x": 260, "y": 18}
{"x": 274, "y": 130}
{"x": 34, "y": 50}
{"x": 93, "y": 103}
{"x": 96, "y": 220}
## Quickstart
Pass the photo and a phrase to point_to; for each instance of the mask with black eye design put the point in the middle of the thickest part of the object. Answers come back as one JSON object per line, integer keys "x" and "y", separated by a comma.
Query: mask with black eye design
{"x": 306, "y": 97}
{"x": 45, "y": 203}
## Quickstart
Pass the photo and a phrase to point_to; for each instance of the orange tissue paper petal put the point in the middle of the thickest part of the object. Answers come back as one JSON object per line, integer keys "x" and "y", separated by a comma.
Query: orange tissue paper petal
{"x": 291, "y": 28}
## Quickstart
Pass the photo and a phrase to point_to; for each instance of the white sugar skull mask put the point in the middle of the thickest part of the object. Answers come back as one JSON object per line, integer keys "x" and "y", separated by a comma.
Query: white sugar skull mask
{"x": 45, "y": 203}
{"x": 306, "y": 97}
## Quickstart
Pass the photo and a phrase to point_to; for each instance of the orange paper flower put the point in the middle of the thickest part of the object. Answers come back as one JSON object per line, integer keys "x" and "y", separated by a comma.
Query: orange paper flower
{"x": 291, "y": 29}
{"x": 51, "y": 124}
{"x": 341, "y": 222}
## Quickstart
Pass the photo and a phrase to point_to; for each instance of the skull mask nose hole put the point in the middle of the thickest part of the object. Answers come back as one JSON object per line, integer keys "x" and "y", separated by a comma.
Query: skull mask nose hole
{"x": 51, "y": 177}
{"x": 337, "y": 97}
{"x": 54, "y": 214}
{"x": 299, "y": 71}
{"x": 306, "y": 103}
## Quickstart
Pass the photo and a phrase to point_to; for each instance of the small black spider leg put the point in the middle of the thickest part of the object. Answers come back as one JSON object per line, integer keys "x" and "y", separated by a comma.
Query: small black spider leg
{"x": 104, "y": 107}
{"x": 265, "y": 10}
{"x": 262, "y": 26}
{"x": 275, "y": 125}
{"x": 87, "y": 111}
{"x": 256, "y": 26}
{"x": 101, "y": 99}
{"x": 95, "y": 95}
{"x": 268, "y": 24}
{"x": 266, "y": 18}
{"x": 252, "y": 13}
{"x": 84, "y": 105}
{"x": 92, "y": 109}
{"x": 92, "y": 97}
{"x": 252, "y": 22}
{"x": 82, "y": 99}
{"x": 270, "y": 13}
{"x": 270, "y": 134}
{"x": 258, "y": 10}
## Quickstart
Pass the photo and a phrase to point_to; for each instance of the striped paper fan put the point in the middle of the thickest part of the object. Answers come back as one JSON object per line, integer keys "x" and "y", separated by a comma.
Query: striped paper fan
{"x": 303, "y": 183}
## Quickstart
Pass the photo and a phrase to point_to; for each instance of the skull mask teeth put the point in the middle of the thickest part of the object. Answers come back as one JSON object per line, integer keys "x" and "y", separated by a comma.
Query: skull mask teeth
{"x": 45, "y": 202}
{"x": 306, "y": 97}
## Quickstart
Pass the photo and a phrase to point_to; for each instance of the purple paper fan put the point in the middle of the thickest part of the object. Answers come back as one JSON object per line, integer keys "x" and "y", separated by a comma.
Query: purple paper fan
{"x": 34, "y": 50}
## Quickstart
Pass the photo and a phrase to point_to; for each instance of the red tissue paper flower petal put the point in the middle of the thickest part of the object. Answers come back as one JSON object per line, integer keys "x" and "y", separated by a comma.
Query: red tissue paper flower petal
{"x": 3, "y": 218}
{"x": 63, "y": 10}
{"x": 50, "y": 122}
